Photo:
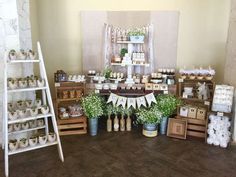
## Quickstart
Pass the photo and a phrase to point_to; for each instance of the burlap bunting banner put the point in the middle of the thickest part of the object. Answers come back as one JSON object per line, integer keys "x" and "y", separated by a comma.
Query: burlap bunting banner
{"x": 146, "y": 100}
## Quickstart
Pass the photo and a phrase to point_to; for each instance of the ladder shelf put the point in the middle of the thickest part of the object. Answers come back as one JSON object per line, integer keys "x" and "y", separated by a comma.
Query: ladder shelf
{"x": 46, "y": 100}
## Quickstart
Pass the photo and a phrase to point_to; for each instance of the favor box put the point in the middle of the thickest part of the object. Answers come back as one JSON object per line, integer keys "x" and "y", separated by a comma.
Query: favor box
{"x": 183, "y": 111}
{"x": 192, "y": 112}
{"x": 201, "y": 113}
{"x": 148, "y": 86}
{"x": 163, "y": 87}
{"x": 156, "y": 87}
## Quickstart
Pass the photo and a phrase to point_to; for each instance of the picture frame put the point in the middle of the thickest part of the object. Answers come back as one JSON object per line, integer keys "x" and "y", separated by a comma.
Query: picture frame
{"x": 177, "y": 128}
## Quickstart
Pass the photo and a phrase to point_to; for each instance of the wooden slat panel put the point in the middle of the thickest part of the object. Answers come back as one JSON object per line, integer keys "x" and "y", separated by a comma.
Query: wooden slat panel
{"x": 71, "y": 84}
{"x": 197, "y": 127}
{"x": 193, "y": 121}
{"x": 196, "y": 121}
{"x": 71, "y": 120}
{"x": 70, "y": 126}
{"x": 75, "y": 132}
{"x": 195, "y": 134}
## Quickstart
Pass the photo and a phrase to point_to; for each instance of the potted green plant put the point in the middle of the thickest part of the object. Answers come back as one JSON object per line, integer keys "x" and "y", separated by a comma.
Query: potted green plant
{"x": 93, "y": 109}
{"x": 121, "y": 111}
{"x": 136, "y": 35}
{"x": 123, "y": 51}
{"x": 150, "y": 118}
{"x": 109, "y": 111}
{"x": 128, "y": 112}
{"x": 167, "y": 105}
{"x": 107, "y": 72}
{"x": 116, "y": 125}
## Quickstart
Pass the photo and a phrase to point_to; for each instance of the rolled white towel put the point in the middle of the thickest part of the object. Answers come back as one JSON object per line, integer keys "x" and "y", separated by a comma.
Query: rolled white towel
{"x": 210, "y": 131}
{"x": 223, "y": 145}
{"x": 216, "y": 142}
{"x": 209, "y": 140}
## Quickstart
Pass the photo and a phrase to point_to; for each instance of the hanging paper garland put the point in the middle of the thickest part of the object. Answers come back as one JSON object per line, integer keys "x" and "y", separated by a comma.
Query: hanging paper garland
{"x": 131, "y": 102}
{"x": 141, "y": 101}
{"x": 150, "y": 98}
{"x": 121, "y": 101}
{"x": 112, "y": 98}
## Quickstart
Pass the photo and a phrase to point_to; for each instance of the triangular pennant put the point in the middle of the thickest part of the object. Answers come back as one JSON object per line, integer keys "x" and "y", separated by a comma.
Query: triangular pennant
{"x": 112, "y": 98}
{"x": 141, "y": 101}
{"x": 131, "y": 102}
{"x": 121, "y": 101}
{"x": 150, "y": 98}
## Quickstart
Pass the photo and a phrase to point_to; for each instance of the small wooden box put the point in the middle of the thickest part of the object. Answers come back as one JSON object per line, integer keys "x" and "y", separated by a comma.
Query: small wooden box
{"x": 184, "y": 111}
{"x": 192, "y": 112}
{"x": 201, "y": 113}
{"x": 156, "y": 87}
{"x": 148, "y": 86}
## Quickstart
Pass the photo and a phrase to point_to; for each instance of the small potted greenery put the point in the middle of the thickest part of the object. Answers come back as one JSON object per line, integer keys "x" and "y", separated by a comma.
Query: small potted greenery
{"x": 150, "y": 118}
{"x": 107, "y": 72}
{"x": 109, "y": 111}
{"x": 167, "y": 105}
{"x": 136, "y": 35}
{"x": 116, "y": 125}
{"x": 93, "y": 109}
{"x": 123, "y": 51}
{"x": 128, "y": 112}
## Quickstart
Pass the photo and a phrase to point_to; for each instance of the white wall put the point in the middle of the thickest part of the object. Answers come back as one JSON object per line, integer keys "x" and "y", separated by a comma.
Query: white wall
{"x": 230, "y": 66}
{"x": 201, "y": 41}
{"x": 15, "y": 33}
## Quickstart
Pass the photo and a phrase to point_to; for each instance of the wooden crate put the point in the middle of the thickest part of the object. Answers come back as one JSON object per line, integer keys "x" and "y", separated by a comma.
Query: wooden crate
{"x": 72, "y": 126}
{"x": 196, "y": 128}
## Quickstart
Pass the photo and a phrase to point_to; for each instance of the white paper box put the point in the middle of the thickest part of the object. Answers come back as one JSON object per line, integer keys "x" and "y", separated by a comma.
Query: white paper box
{"x": 184, "y": 111}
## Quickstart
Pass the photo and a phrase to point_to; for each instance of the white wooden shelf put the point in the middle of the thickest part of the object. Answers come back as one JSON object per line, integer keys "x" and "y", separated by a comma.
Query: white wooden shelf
{"x": 27, "y": 130}
{"x": 29, "y": 148}
{"x": 129, "y": 42}
{"x": 25, "y": 89}
{"x": 21, "y": 120}
{"x": 22, "y": 61}
{"x": 122, "y": 64}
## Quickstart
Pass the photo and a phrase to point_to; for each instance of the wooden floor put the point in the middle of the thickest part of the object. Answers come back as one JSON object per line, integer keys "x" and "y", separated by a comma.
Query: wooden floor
{"x": 125, "y": 154}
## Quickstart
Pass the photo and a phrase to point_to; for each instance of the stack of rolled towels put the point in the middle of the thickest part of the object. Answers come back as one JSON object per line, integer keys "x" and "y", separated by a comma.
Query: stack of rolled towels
{"x": 219, "y": 131}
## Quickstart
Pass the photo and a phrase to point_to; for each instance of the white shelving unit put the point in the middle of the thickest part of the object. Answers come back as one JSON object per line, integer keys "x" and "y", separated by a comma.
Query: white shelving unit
{"x": 131, "y": 46}
{"x": 46, "y": 99}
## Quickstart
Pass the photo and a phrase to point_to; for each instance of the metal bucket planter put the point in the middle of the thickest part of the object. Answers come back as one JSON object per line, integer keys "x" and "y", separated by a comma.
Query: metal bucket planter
{"x": 150, "y": 130}
{"x": 136, "y": 38}
{"x": 93, "y": 126}
{"x": 163, "y": 125}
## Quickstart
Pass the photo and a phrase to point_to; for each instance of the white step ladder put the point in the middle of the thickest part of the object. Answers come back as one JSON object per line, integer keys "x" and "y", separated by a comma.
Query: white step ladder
{"x": 46, "y": 99}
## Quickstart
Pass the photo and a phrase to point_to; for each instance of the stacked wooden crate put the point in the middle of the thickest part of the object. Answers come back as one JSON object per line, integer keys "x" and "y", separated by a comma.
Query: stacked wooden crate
{"x": 70, "y": 125}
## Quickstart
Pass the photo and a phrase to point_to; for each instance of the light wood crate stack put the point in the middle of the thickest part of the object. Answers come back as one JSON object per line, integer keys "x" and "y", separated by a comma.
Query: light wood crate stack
{"x": 197, "y": 118}
{"x": 71, "y": 125}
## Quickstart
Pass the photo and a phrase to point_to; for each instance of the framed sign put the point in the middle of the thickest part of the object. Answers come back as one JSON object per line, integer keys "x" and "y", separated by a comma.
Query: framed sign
{"x": 177, "y": 128}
